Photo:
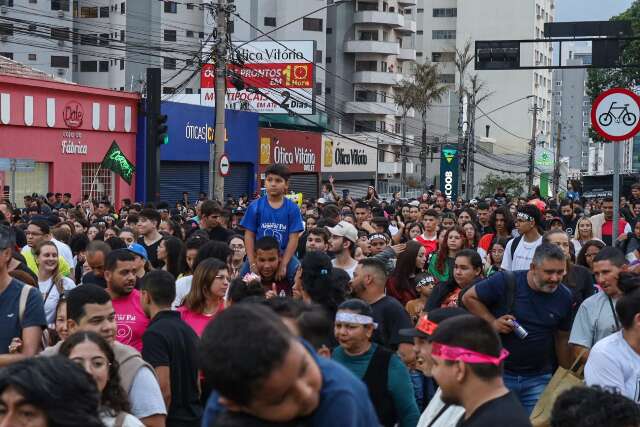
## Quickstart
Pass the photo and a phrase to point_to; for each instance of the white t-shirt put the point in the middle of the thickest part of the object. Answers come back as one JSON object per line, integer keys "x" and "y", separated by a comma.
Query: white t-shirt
{"x": 65, "y": 252}
{"x": 145, "y": 395}
{"x": 615, "y": 366}
{"x": 129, "y": 421}
{"x": 522, "y": 256}
{"x": 594, "y": 321}
{"x": 54, "y": 296}
{"x": 349, "y": 270}
{"x": 449, "y": 417}
{"x": 183, "y": 286}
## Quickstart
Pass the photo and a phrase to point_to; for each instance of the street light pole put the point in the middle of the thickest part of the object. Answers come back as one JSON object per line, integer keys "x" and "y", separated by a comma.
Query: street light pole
{"x": 216, "y": 180}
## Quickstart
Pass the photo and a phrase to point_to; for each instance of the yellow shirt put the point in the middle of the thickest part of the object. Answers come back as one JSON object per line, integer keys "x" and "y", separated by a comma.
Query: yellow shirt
{"x": 63, "y": 266}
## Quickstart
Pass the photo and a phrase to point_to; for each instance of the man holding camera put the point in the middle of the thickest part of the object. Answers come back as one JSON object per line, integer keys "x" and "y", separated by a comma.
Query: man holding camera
{"x": 531, "y": 310}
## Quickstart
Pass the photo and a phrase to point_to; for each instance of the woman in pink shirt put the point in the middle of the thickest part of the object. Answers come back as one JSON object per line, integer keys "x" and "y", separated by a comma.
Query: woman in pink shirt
{"x": 206, "y": 297}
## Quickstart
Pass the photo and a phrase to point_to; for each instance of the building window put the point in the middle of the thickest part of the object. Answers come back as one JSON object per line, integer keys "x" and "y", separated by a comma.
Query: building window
{"x": 170, "y": 35}
{"x": 60, "y": 33}
{"x": 6, "y": 29}
{"x": 443, "y": 56}
{"x": 201, "y": 35}
{"x": 121, "y": 64}
{"x": 74, "y": 61}
{"x": 168, "y": 90}
{"x": 169, "y": 64}
{"x": 448, "y": 12}
{"x": 188, "y": 62}
{"x": 420, "y": 10}
{"x": 33, "y": 57}
{"x": 89, "y": 66}
{"x": 98, "y": 180}
{"x": 327, "y": 90}
{"x": 104, "y": 12}
{"x": 329, "y": 30}
{"x": 419, "y": 32}
{"x": 366, "y": 66}
{"x": 447, "y": 78}
{"x": 170, "y": 7}
{"x": 33, "y": 1}
{"x": 312, "y": 24}
{"x": 368, "y": 35}
{"x": 559, "y": 83}
{"x": 6, "y": 3}
{"x": 7, "y": 54}
{"x": 60, "y": 5}
{"x": 190, "y": 34}
{"x": 317, "y": 58}
{"x": 365, "y": 126}
{"x": 318, "y": 89}
{"x": 231, "y": 27}
{"x": 103, "y": 66}
{"x": 443, "y": 34}
{"x": 189, "y": 6}
{"x": 123, "y": 8}
{"x": 122, "y": 35}
{"x": 89, "y": 39}
{"x": 269, "y": 21}
{"x": 329, "y": 60}
{"x": 418, "y": 54}
{"x": 188, "y": 91}
{"x": 104, "y": 39}
{"x": 88, "y": 12}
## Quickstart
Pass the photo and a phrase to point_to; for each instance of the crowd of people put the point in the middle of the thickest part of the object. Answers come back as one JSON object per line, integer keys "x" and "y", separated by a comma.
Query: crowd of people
{"x": 332, "y": 312}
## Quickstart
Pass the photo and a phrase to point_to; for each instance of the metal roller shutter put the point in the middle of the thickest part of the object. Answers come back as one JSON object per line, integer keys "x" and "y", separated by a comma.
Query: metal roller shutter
{"x": 305, "y": 183}
{"x": 176, "y": 177}
{"x": 357, "y": 189}
{"x": 238, "y": 181}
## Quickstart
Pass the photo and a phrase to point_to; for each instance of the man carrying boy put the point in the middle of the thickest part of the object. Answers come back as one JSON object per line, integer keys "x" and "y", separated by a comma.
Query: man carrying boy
{"x": 273, "y": 216}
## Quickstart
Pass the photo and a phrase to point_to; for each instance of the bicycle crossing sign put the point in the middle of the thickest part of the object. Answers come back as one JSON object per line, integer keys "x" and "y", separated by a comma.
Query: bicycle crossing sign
{"x": 615, "y": 114}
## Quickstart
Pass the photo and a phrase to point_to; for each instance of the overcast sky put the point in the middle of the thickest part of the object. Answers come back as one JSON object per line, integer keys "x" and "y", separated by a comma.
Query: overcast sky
{"x": 589, "y": 10}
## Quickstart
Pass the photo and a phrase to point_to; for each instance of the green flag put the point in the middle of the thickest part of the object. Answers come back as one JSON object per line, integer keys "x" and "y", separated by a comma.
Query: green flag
{"x": 115, "y": 161}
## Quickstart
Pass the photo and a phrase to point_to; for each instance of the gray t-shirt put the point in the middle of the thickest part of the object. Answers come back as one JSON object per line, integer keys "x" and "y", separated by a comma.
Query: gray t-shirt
{"x": 594, "y": 321}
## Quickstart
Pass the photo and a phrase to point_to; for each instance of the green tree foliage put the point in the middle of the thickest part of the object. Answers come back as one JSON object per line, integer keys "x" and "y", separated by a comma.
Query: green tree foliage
{"x": 603, "y": 79}
{"x": 514, "y": 187}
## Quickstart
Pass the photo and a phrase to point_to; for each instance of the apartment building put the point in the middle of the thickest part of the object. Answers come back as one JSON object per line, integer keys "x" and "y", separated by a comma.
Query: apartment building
{"x": 446, "y": 25}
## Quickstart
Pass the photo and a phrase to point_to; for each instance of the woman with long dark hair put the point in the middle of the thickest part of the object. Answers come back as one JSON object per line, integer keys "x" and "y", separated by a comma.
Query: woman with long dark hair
{"x": 171, "y": 251}
{"x": 494, "y": 257}
{"x": 472, "y": 235}
{"x": 94, "y": 354}
{"x": 318, "y": 286}
{"x": 467, "y": 270}
{"x": 205, "y": 300}
{"x": 441, "y": 263}
{"x": 401, "y": 283}
{"x": 588, "y": 252}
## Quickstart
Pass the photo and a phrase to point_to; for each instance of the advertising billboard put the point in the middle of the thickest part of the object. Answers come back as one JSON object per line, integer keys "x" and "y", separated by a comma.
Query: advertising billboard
{"x": 449, "y": 171}
{"x": 282, "y": 71}
{"x": 343, "y": 155}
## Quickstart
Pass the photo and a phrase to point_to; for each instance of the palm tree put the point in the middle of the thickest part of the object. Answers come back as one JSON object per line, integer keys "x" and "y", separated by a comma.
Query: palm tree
{"x": 405, "y": 101}
{"x": 420, "y": 94}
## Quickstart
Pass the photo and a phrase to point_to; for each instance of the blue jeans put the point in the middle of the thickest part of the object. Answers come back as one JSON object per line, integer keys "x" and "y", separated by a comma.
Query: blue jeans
{"x": 527, "y": 388}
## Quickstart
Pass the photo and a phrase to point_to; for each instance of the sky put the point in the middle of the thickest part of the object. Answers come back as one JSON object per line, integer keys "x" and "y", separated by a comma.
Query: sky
{"x": 589, "y": 10}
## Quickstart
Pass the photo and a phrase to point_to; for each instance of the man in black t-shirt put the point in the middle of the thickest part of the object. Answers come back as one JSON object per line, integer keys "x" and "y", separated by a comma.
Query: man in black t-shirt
{"x": 467, "y": 365}
{"x": 211, "y": 220}
{"x": 170, "y": 346}
{"x": 150, "y": 237}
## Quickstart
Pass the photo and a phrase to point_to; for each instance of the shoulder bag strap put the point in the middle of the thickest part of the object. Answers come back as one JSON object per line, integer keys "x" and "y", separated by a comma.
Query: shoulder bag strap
{"x": 22, "y": 303}
{"x": 615, "y": 315}
{"x": 439, "y": 414}
{"x": 46, "y": 295}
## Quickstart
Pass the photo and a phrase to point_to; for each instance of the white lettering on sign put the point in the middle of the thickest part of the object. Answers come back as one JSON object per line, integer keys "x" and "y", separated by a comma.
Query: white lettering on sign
{"x": 69, "y": 147}
{"x": 448, "y": 184}
{"x": 303, "y": 156}
{"x": 270, "y": 55}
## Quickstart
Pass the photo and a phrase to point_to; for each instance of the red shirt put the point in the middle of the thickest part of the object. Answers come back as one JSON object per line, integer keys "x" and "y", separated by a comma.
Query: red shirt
{"x": 430, "y": 245}
{"x": 402, "y": 295}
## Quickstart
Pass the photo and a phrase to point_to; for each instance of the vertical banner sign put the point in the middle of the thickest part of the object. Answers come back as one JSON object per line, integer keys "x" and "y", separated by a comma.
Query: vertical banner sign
{"x": 449, "y": 171}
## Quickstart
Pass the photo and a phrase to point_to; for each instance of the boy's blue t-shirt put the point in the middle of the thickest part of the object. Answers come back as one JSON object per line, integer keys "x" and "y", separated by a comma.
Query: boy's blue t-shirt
{"x": 263, "y": 220}
{"x": 344, "y": 399}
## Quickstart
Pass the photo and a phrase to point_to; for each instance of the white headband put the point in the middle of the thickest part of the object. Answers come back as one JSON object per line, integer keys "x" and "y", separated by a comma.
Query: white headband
{"x": 358, "y": 319}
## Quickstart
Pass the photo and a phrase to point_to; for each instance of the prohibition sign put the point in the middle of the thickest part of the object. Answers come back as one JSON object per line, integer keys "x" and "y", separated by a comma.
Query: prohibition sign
{"x": 615, "y": 114}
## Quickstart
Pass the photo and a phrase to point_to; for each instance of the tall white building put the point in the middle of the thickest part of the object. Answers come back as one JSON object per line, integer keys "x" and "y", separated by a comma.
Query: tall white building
{"x": 446, "y": 25}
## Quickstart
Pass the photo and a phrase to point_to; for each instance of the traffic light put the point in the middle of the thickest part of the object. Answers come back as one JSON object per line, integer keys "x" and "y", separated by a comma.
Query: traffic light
{"x": 162, "y": 130}
{"x": 497, "y": 55}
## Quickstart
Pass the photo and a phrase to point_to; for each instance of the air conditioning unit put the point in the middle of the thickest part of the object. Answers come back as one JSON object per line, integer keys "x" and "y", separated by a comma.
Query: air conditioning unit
{"x": 61, "y": 14}
{"x": 61, "y": 43}
{"x": 3, "y": 9}
{"x": 61, "y": 71}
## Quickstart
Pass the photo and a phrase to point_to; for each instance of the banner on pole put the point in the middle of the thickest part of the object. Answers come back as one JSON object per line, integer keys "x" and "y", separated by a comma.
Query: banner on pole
{"x": 116, "y": 161}
{"x": 449, "y": 172}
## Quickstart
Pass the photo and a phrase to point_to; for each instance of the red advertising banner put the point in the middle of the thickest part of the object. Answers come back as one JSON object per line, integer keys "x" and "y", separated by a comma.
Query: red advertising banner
{"x": 292, "y": 76}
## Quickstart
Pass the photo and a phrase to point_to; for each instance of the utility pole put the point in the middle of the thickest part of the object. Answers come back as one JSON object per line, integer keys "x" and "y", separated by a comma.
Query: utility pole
{"x": 532, "y": 145}
{"x": 216, "y": 181}
{"x": 556, "y": 163}
{"x": 152, "y": 111}
{"x": 460, "y": 144}
{"x": 471, "y": 146}
{"x": 403, "y": 179}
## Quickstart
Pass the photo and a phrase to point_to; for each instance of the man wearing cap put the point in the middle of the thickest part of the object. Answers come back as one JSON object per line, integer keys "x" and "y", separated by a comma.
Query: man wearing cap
{"x": 437, "y": 413}
{"x": 519, "y": 251}
{"x": 140, "y": 254}
{"x": 342, "y": 244}
{"x": 467, "y": 365}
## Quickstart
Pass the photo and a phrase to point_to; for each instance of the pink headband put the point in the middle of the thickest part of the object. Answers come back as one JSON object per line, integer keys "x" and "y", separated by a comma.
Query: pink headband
{"x": 468, "y": 356}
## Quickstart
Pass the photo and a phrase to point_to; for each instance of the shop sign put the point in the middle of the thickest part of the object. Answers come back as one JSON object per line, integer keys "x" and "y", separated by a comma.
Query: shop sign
{"x": 341, "y": 155}
{"x": 71, "y": 143}
{"x": 73, "y": 114}
{"x": 449, "y": 173}
{"x": 204, "y": 133}
{"x": 299, "y": 159}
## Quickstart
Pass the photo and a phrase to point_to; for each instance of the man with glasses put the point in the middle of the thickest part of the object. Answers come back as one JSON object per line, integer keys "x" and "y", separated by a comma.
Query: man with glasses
{"x": 519, "y": 251}
{"x": 38, "y": 231}
{"x": 21, "y": 308}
